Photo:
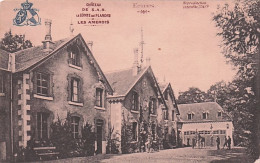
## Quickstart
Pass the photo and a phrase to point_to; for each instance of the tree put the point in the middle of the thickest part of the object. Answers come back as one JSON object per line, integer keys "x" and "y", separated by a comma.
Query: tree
{"x": 193, "y": 95}
{"x": 13, "y": 43}
{"x": 240, "y": 31}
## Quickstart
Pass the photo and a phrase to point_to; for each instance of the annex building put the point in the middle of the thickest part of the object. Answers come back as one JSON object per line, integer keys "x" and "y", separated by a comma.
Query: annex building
{"x": 208, "y": 119}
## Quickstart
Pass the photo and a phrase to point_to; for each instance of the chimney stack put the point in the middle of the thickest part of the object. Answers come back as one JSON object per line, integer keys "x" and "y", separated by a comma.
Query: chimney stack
{"x": 71, "y": 29}
{"x": 47, "y": 43}
{"x": 148, "y": 61}
{"x": 135, "y": 65}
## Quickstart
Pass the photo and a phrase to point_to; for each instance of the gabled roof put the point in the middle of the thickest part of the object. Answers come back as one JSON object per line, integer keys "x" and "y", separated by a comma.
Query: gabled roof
{"x": 164, "y": 87}
{"x": 32, "y": 57}
{"x": 123, "y": 80}
{"x": 28, "y": 57}
{"x": 4, "y": 58}
{"x": 212, "y": 108}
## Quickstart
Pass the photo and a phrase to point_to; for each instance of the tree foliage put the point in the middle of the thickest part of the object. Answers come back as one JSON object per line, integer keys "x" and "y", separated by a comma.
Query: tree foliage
{"x": 239, "y": 27}
{"x": 13, "y": 43}
{"x": 193, "y": 95}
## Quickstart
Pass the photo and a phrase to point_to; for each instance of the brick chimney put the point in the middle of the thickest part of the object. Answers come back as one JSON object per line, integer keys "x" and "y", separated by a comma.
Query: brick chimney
{"x": 135, "y": 67}
{"x": 47, "y": 43}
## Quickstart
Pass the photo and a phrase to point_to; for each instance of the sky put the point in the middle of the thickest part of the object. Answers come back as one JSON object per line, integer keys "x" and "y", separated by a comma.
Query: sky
{"x": 181, "y": 42}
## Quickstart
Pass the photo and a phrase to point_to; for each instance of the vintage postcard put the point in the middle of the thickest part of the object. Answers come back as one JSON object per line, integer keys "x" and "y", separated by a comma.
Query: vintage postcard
{"x": 159, "y": 80}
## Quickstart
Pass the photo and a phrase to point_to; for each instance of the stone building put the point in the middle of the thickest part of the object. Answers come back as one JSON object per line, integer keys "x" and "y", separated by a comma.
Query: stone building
{"x": 169, "y": 117}
{"x": 136, "y": 101}
{"x": 48, "y": 81}
{"x": 5, "y": 107}
{"x": 208, "y": 119}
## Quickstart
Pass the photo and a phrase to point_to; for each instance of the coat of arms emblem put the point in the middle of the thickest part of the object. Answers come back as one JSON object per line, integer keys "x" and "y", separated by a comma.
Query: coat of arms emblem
{"x": 27, "y": 15}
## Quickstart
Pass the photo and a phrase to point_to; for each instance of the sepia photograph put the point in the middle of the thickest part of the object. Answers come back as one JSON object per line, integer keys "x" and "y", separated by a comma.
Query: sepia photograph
{"x": 130, "y": 81}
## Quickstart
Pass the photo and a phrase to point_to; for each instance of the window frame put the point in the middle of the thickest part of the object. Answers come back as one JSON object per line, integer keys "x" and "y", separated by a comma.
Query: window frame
{"x": 74, "y": 56}
{"x": 135, "y": 131}
{"x": 135, "y": 101}
{"x": 219, "y": 114}
{"x": 40, "y": 123}
{"x": 80, "y": 92}
{"x": 173, "y": 115}
{"x": 75, "y": 123}
{"x": 192, "y": 115}
{"x": 165, "y": 114}
{"x": 74, "y": 93}
{"x": 99, "y": 97}
{"x": 206, "y": 115}
{"x": 152, "y": 105}
{"x": 2, "y": 84}
{"x": 41, "y": 80}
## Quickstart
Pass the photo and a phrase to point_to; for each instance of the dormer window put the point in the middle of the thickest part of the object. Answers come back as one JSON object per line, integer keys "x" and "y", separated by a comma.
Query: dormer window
{"x": 219, "y": 114}
{"x": 134, "y": 101}
{"x": 190, "y": 116}
{"x": 205, "y": 115}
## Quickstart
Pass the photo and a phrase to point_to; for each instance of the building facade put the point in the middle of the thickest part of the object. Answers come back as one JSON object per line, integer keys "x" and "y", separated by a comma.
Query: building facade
{"x": 207, "y": 119}
{"x": 5, "y": 107}
{"x": 48, "y": 82}
{"x": 169, "y": 117}
{"x": 135, "y": 103}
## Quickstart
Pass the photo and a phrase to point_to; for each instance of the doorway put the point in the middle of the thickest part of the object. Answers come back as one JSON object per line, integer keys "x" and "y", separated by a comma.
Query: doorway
{"x": 99, "y": 125}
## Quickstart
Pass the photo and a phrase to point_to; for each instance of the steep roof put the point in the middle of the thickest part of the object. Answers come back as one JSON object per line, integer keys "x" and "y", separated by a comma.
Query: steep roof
{"x": 123, "y": 80}
{"x": 4, "y": 57}
{"x": 212, "y": 108}
{"x": 164, "y": 87}
{"x": 32, "y": 57}
{"x": 28, "y": 57}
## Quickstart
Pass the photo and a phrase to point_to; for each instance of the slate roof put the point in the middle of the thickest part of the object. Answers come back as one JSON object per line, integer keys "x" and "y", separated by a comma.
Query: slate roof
{"x": 28, "y": 57}
{"x": 4, "y": 57}
{"x": 123, "y": 80}
{"x": 198, "y": 108}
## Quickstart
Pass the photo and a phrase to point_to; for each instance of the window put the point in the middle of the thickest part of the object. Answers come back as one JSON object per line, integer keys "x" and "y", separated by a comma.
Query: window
{"x": 204, "y": 115}
{"x": 190, "y": 116}
{"x": 74, "y": 57}
{"x": 42, "y": 84}
{"x": 165, "y": 114}
{"x": 166, "y": 95}
{"x": 75, "y": 90}
{"x": 222, "y": 131}
{"x": 152, "y": 106}
{"x": 216, "y": 132}
{"x": 219, "y": 114}
{"x": 42, "y": 125}
{"x": 153, "y": 131}
{"x": 173, "y": 115}
{"x": 99, "y": 97}
{"x": 2, "y": 87}
{"x": 75, "y": 127}
{"x": 134, "y": 131}
{"x": 135, "y": 101}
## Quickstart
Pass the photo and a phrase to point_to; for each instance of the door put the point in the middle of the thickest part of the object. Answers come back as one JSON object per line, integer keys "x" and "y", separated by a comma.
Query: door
{"x": 99, "y": 136}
